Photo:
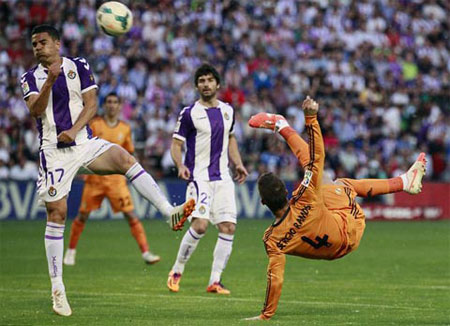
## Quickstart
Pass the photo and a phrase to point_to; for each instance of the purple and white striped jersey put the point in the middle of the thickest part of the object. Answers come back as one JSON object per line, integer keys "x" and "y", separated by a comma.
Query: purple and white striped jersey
{"x": 65, "y": 102}
{"x": 206, "y": 133}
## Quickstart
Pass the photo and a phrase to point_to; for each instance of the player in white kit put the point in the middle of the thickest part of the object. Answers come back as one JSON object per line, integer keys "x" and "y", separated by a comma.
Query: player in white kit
{"x": 62, "y": 95}
{"x": 206, "y": 127}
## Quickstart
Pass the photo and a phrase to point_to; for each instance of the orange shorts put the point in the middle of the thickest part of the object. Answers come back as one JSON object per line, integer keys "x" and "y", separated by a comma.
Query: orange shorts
{"x": 117, "y": 193}
{"x": 342, "y": 201}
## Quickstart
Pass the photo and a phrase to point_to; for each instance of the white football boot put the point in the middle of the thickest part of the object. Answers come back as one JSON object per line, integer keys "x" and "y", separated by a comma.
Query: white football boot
{"x": 60, "y": 303}
{"x": 150, "y": 258}
{"x": 412, "y": 179}
{"x": 69, "y": 257}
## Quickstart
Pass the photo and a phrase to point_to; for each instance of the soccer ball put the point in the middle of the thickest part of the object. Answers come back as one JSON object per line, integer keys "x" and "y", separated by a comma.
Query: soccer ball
{"x": 114, "y": 18}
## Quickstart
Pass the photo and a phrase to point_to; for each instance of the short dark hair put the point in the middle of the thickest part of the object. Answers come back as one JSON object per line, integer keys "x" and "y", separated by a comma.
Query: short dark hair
{"x": 44, "y": 28}
{"x": 272, "y": 191}
{"x": 112, "y": 94}
{"x": 206, "y": 69}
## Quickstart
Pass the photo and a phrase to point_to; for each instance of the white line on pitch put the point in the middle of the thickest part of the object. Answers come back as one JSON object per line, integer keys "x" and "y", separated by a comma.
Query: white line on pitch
{"x": 206, "y": 298}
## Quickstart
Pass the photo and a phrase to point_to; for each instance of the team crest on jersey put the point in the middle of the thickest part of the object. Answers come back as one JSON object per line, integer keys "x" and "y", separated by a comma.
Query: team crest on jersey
{"x": 25, "y": 87}
{"x": 226, "y": 116}
{"x": 202, "y": 210}
{"x": 52, "y": 191}
{"x": 71, "y": 74}
{"x": 307, "y": 178}
{"x": 338, "y": 191}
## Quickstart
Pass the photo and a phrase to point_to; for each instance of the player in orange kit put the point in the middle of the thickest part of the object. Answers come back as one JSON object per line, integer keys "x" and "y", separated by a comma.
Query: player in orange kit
{"x": 114, "y": 187}
{"x": 322, "y": 220}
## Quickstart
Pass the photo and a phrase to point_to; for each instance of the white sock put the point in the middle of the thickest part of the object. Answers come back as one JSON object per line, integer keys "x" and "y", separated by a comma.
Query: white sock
{"x": 54, "y": 248}
{"x": 222, "y": 253}
{"x": 404, "y": 178}
{"x": 281, "y": 124}
{"x": 187, "y": 247}
{"x": 148, "y": 188}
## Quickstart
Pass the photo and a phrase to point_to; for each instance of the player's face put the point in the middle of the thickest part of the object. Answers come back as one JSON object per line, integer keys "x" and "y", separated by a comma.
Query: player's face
{"x": 45, "y": 49}
{"x": 112, "y": 106}
{"x": 207, "y": 86}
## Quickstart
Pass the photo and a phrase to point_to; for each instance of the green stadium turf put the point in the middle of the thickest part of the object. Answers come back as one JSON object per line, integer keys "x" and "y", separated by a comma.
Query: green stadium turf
{"x": 400, "y": 275}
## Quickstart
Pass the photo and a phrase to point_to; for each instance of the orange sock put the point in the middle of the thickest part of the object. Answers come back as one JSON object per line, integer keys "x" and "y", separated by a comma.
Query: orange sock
{"x": 75, "y": 232}
{"x": 374, "y": 187}
{"x": 137, "y": 230}
{"x": 297, "y": 145}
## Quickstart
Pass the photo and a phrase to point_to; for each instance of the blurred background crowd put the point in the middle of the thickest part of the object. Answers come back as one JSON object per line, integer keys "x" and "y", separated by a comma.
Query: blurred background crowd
{"x": 379, "y": 68}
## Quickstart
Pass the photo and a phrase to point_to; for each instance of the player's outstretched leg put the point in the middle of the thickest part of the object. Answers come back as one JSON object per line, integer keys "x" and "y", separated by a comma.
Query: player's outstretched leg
{"x": 278, "y": 123}
{"x": 410, "y": 182}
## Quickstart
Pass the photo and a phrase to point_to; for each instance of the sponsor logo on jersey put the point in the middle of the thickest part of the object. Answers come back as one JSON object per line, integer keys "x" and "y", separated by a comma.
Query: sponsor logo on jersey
{"x": 71, "y": 74}
{"x": 25, "y": 87}
{"x": 307, "y": 178}
{"x": 52, "y": 191}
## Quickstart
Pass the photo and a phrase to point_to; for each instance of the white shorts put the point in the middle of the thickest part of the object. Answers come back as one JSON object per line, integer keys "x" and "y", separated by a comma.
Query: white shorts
{"x": 58, "y": 167}
{"x": 215, "y": 200}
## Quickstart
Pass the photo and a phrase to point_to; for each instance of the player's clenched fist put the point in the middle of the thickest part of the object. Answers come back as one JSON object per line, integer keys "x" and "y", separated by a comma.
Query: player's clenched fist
{"x": 53, "y": 71}
{"x": 310, "y": 107}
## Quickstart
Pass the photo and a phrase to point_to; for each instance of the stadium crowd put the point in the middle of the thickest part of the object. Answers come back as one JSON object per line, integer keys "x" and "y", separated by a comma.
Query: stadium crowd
{"x": 379, "y": 68}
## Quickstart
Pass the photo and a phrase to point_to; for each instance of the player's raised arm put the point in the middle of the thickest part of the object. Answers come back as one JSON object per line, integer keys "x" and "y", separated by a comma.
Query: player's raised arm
{"x": 37, "y": 101}
{"x": 314, "y": 169}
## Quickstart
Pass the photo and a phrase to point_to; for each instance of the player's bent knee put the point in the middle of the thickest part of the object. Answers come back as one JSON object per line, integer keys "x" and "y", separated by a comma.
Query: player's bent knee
{"x": 227, "y": 228}
{"x": 125, "y": 160}
{"x": 57, "y": 211}
{"x": 200, "y": 225}
{"x": 56, "y": 215}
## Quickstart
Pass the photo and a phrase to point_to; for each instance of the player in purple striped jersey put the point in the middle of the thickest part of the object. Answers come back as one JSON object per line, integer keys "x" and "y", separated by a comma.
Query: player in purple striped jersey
{"x": 61, "y": 94}
{"x": 207, "y": 129}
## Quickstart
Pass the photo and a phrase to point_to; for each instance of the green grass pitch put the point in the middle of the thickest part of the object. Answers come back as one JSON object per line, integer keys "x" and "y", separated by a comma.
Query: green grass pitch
{"x": 400, "y": 275}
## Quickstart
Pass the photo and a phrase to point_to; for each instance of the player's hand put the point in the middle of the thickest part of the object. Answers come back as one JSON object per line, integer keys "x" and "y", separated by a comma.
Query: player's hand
{"x": 183, "y": 172}
{"x": 241, "y": 174}
{"x": 53, "y": 72}
{"x": 67, "y": 136}
{"x": 310, "y": 107}
{"x": 254, "y": 318}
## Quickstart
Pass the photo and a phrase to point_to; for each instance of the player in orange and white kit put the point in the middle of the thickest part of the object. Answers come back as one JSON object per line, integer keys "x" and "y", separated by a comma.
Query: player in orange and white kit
{"x": 322, "y": 220}
{"x": 114, "y": 187}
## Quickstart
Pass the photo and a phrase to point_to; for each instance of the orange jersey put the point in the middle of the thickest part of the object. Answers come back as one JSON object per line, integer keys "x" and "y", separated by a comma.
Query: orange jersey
{"x": 322, "y": 222}
{"x": 120, "y": 134}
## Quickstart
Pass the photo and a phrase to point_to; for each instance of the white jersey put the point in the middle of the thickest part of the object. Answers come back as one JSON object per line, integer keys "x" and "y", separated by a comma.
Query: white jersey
{"x": 65, "y": 101}
{"x": 206, "y": 132}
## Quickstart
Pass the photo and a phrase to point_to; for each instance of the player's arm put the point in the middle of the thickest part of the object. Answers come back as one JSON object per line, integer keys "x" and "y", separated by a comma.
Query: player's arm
{"x": 88, "y": 112}
{"x": 314, "y": 169}
{"x": 275, "y": 278}
{"x": 37, "y": 103}
{"x": 235, "y": 157}
{"x": 176, "y": 149}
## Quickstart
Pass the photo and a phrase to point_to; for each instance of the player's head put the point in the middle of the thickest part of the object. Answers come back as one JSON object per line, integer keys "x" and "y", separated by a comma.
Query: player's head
{"x": 46, "y": 43}
{"x": 273, "y": 191}
{"x": 207, "y": 81}
{"x": 112, "y": 105}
